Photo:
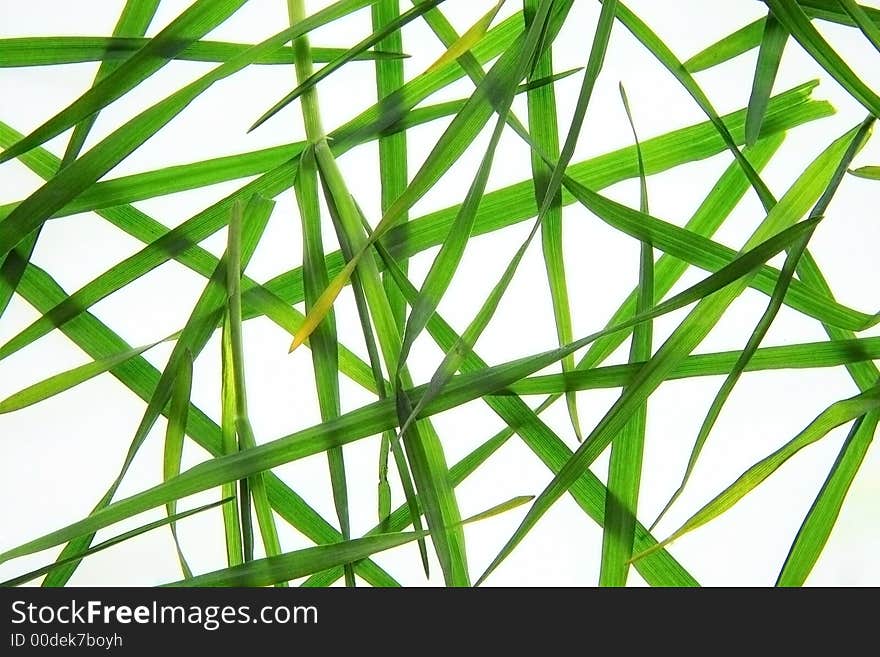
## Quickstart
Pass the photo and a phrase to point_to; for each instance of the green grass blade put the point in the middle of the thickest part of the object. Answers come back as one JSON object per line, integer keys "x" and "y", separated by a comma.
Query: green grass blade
{"x": 798, "y": 24}
{"x": 869, "y": 172}
{"x": 814, "y": 532}
{"x": 133, "y": 22}
{"x": 543, "y": 127}
{"x": 256, "y": 214}
{"x": 116, "y": 540}
{"x": 861, "y": 18}
{"x": 55, "y": 50}
{"x": 769, "y": 56}
{"x": 468, "y": 40}
{"x": 188, "y": 27}
{"x": 733, "y": 45}
{"x": 237, "y": 525}
{"x": 834, "y": 416}
{"x": 361, "y": 47}
{"x": 627, "y": 449}
{"x": 174, "y": 436}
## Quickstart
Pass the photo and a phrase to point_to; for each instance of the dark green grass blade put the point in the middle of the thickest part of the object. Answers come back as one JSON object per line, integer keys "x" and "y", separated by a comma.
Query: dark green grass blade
{"x": 40, "y": 290}
{"x": 86, "y": 170}
{"x": 134, "y": 21}
{"x": 363, "y": 46}
{"x": 627, "y": 449}
{"x": 798, "y": 24}
{"x": 381, "y": 415}
{"x": 792, "y": 260}
{"x": 772, "y": 46}
{"x": 116, "y": 540}
{"x": 190, "y": 26}
{"x": 543, "y": 127}
{"x": 255, "y": 216}
{"x": 834, "y": 416}
{"x": 192, "y": 340}
{"x": 174, "y": 436}
{"x": 861, "y": 18}
{"x": 55, "y": 50}
{"x": 690, "y": 332}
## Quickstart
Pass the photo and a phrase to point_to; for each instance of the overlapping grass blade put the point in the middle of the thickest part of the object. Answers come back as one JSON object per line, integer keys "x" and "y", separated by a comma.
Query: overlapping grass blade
{"x": 769, "y": 56}
{"x": 467, "y": 40}
{"x": 861, "y": 18}
{"x": 196, "y": 21}
{"x": 627, "y": 449}
{"x": 544, "y": 130}
{"x": 684, "y": 338}
{"x": 85, "y": 171}
{"x": 381, "y": 415}
{"x": 792, "y": 261}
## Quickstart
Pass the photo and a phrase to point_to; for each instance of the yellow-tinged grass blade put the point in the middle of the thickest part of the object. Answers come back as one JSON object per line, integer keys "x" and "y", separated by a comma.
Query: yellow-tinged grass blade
{"x": 174, "y": 436}
{"x": 467, "y": 40}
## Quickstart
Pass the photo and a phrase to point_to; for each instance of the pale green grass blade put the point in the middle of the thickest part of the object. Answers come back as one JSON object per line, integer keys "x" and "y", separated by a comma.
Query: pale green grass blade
{"x": 40, "y": 290}
{"x": 381, "y": 415}
{"x": 133, "y": 22}
{"x": 116, "y": 540}
{"x": 543, "y": 127}
{"x": 174, "y": 435}
{"x": 690, "y": 332}
{"x": 627, "y": 449}
{"x": 792, "y": 261}
{"x": 769, "y": 56}
{"x": 834, "y": 416}
{"x": 237, "y": 525}
{"x": 733, "y": 45}
{"x": 196, "y": 21}
{"x": 55, "y": 50}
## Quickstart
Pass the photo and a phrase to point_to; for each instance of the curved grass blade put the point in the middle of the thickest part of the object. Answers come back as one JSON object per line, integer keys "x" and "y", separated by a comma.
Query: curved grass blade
{"x": 627, "y": 449}
{"x": 834, "y": 416}
{"x": 361, "y": 47}
{"x": 760, "y": 331}
{"x": 134, "y": 21}
{"x": 174, "y": 436}
{"x": 55, "y": 50}
{"x": 116, "y": 540}
{"x": 861, "y": 18}
{"x": 543, "y": 127}
{"x": 769, "y": 56}
{"x": 467, "y": 40}
{"x": 196, "y": 21}
{"x": 733, "y": 45}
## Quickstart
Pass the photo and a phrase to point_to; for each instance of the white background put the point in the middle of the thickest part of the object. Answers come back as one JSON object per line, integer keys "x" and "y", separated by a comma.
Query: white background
{"x": 60, "y": 456}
